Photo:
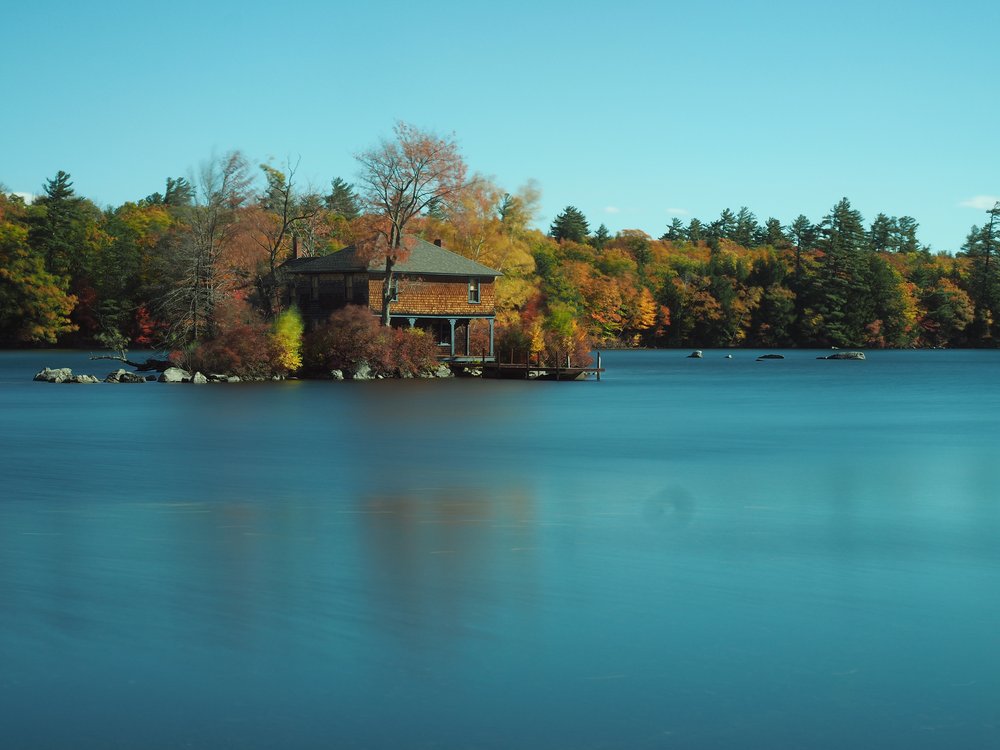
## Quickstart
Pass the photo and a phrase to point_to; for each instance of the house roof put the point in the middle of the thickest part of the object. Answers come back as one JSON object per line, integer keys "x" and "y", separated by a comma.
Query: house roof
{"x": 425, "y": 259}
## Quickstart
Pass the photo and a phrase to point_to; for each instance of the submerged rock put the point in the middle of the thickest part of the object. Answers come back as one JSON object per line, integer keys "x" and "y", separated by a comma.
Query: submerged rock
{"x": 696, "y": 354}
{"x": 844, "y": 355}
{"x": 770, "y": 356}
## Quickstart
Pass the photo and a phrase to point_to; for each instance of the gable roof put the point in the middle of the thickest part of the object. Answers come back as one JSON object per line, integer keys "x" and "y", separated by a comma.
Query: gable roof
{"x": 425, "y": 259}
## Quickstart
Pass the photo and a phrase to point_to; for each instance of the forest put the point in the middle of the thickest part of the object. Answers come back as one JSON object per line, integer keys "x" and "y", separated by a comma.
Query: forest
{"x": 196, "y": 262}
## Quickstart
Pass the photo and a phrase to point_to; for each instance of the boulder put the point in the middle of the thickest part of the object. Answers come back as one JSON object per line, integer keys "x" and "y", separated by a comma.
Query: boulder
{"x": 58, "y": 375}
{"x": 337, "y": 374}
{"x": 363, "y": 372}
{"x": 124, "y": 376}
{"x": 443, "y": 371}
{"x": 696, "y": 354}
{"x": 175, "y": 375}
{"x": 234, "y": 379}
{"x": 199, "y": 378}
{"x": 846, "y": 355}
{"x": 83, "y": 379}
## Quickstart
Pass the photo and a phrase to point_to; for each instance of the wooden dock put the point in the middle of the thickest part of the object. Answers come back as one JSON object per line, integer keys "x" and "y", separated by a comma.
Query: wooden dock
{"x": 529, "y": 370}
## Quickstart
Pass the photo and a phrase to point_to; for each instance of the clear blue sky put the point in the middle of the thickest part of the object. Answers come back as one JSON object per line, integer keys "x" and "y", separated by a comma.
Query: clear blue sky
{"x": 632, "y": 111}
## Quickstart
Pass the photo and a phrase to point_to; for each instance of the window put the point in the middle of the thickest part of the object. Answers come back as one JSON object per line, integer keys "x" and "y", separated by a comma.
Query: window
{"x": 474, "y": 291}
{"x": 394, "y": 289}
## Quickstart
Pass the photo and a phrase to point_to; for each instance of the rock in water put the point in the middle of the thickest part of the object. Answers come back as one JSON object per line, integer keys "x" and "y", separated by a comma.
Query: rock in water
{"x": 124, "y": 376}
{"x": 199, "y": 378}
{"x": 696, "y": 354}
{"x": 175, "y": 375}
{"x": 58, "y": 375}
{"x": 844, "y": 355}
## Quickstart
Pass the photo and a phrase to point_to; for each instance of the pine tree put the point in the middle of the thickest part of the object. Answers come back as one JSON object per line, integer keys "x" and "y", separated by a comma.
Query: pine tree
{"x": 675, "y": 231}
{"x": 601, "y": 237}
{"x": 342, "y": 201}
{"x": 840, "y": 295}
{"x": 571, "y": 225}
{"x": 745, "y": 229}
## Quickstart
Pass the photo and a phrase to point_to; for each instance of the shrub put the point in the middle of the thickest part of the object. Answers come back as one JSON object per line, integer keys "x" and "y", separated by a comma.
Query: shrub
{"x": 247, "y": 351}
{"x": 287, "y": 337}
{"x": 353, "y": 335}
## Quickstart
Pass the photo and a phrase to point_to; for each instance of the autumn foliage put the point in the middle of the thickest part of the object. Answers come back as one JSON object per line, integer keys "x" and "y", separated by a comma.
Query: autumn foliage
{"x": 353, "y": 336}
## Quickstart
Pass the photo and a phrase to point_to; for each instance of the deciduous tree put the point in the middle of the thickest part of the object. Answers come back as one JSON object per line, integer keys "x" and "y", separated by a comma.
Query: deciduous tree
{"x": 400, "y": 179}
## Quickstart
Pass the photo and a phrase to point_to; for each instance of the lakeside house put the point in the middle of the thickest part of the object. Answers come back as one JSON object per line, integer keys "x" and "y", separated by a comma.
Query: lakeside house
{"x": 450, "y": 296}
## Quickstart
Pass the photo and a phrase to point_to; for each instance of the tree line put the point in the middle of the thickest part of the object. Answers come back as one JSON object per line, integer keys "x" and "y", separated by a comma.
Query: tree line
{"x": 193, "y": 263}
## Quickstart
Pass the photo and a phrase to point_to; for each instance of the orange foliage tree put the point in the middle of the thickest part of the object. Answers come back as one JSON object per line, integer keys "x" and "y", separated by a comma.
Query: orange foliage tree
{"x": 401, "y": 179}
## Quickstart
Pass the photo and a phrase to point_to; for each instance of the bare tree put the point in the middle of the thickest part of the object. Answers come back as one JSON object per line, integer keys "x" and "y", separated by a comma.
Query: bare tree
{"x": 283, "y": 213}
{"x": 200, "y": 276}
{"x": 400, "y": 179}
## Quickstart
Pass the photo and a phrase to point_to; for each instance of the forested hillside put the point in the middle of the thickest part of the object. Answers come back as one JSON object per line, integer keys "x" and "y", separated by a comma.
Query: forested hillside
{"x": 170, "y": 269}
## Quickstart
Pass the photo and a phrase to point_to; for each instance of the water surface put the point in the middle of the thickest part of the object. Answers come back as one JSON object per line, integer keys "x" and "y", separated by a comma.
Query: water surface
{"x": 703, "y": 553}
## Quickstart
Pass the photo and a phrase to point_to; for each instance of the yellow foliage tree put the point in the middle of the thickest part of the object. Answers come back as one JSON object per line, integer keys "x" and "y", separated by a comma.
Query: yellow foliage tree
{"x": 287, "y": 337}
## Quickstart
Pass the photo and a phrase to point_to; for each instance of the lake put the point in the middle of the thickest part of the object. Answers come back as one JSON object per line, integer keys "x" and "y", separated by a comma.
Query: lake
{"x": 713, "y": 553}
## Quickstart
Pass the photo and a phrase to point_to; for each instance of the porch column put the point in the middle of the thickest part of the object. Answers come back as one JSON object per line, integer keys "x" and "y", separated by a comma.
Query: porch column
{"x": 468, "y": 337}
{"x": 492, "y": 321}
{"x": 413, "y": 322}
{"x": 452, "y": 321}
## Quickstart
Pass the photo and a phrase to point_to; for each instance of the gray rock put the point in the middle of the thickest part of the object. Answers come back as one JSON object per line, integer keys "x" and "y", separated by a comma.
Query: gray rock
{"x": 83, "y": 379}
{"x": 234, "y": 379}
{"x": 124, "y": 376}
{"x": 58, "y": 375}
{"x": 175, "y": 375}
{"x": 199, "y": 378}
{"x": 337, "y": 374}
{"x": 696, "y": 354}
{"x": 443, "y": 371}
{"x": 844, "y": 355}
{"x": 363, "y": 372}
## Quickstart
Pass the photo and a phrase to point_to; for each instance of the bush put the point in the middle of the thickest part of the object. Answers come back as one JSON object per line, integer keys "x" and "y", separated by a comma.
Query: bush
{"x": 353, "y": 336}
{"x": 287, "y": 337}
{"x": 247, "y": 351}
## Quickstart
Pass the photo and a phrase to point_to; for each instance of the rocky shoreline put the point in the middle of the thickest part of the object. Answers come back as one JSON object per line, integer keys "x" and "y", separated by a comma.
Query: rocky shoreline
{"x": 178, "y": 375}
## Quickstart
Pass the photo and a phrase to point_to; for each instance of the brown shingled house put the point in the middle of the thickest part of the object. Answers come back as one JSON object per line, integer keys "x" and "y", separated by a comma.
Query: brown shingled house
{"x": 437, "y": 290}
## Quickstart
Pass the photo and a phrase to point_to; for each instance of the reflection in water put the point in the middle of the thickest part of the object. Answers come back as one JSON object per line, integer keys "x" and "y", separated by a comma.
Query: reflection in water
{"x": 430, "y": 554}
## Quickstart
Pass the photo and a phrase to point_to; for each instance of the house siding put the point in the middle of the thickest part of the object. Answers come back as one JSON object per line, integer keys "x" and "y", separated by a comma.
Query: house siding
{"x": 438, "y": 296}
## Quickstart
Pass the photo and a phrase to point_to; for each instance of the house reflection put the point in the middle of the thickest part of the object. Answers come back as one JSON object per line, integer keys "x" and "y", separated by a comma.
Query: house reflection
{"x": 443, "y": 562}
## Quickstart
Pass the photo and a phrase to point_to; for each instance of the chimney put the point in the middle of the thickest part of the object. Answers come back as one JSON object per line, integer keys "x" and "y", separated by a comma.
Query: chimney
{"x": 438, "y": 242}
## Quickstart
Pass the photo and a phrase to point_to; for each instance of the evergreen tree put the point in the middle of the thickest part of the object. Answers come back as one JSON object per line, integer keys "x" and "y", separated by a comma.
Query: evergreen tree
{"x": 882, "y": 235}
{"x": 675, "y": 231}
{"x": 982, "y": 246}
{"x": 59, "y": 221}
{"x": 695, "y": 231}
{"x": 725, "y": 226}
{"x": 840, "y": 292}
{"x": 906, "y": 235}
{"x": 601, "y": 237}
{"x": 178, "y": 192}
{"x": 746, "y": 228}
{"x": 342, "y": 201}
{"x": 570, "y": 225}
{"x": 773, "y": 234}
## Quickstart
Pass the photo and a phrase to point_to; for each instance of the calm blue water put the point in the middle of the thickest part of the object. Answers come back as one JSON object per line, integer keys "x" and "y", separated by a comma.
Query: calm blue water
{"x": 689, "y": 554}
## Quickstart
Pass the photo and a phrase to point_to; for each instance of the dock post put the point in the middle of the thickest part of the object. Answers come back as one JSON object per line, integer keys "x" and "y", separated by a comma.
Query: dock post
{"x": 598, "y": 366}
